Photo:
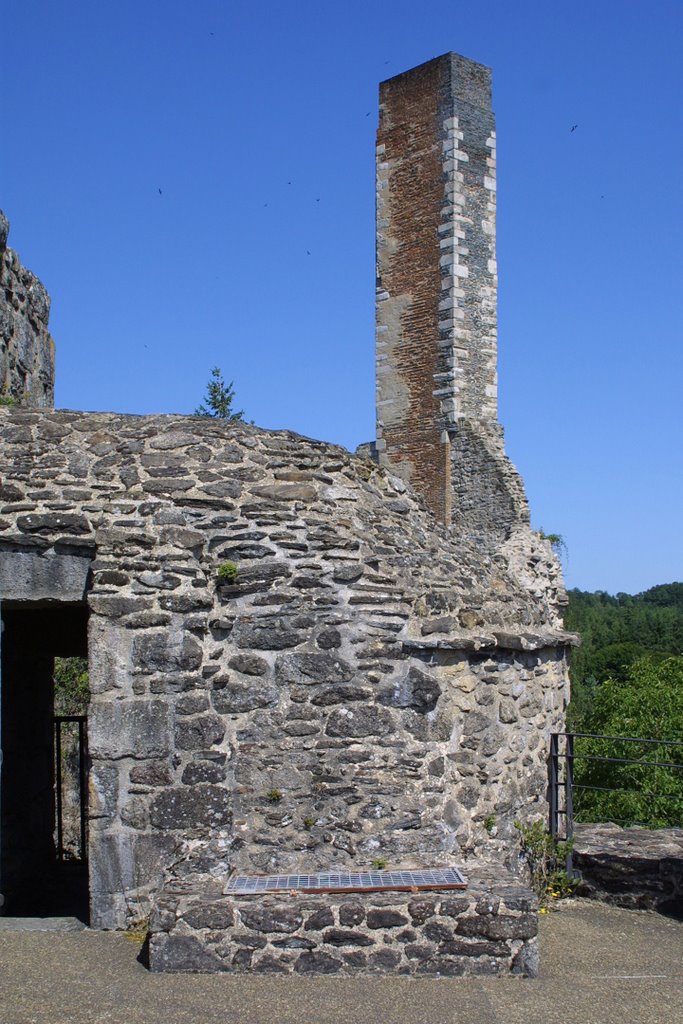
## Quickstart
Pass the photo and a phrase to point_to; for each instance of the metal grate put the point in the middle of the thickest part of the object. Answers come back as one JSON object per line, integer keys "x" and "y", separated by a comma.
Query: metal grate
{"x": 352, "y": 881}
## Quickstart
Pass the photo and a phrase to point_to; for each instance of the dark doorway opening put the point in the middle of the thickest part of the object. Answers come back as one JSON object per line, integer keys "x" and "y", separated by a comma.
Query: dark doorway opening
{"x": 39, "y": 876}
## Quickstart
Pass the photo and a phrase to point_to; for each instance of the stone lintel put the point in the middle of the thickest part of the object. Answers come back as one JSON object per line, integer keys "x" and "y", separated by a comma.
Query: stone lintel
{"x": 497, "y": 640}
{"x": 30, "y": 575}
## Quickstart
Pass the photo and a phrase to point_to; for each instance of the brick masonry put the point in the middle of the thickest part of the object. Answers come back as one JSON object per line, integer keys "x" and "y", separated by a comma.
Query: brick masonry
{"x": 437, "y": 420}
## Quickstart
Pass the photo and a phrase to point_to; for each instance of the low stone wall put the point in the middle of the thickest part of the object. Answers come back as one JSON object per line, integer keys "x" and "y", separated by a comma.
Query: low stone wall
{"x": 631, "y": 867}
{"x": 488, "y": 928}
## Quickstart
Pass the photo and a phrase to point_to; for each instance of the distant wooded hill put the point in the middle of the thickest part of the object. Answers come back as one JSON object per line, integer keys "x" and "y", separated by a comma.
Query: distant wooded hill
{"x": 627, "y": 680}
{"x": 617, "y": 631}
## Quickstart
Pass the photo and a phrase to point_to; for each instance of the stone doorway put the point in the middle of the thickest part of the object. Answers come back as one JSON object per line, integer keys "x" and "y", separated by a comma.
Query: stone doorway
{"x": 34, "y": 880}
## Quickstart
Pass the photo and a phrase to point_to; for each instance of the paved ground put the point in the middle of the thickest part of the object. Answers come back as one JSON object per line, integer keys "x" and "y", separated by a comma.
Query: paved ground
{"x": 600, "y": 965}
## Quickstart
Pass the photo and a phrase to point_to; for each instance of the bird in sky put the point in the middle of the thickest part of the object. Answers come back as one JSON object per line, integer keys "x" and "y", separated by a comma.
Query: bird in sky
{"x": 160, "y": 192}
{"x": 573, "y": 128}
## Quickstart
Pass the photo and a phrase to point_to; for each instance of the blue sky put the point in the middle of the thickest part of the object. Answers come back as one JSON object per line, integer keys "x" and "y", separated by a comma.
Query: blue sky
{"x": 256, "y": 122}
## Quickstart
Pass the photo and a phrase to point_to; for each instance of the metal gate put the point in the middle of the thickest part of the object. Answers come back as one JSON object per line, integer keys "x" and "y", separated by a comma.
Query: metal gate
{"x": 71, "y": 775}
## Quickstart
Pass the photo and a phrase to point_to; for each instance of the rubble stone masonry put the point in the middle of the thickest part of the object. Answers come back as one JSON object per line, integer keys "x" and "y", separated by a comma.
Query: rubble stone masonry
{"x": 368, "y": 686}
{"x": 27, "y": 352}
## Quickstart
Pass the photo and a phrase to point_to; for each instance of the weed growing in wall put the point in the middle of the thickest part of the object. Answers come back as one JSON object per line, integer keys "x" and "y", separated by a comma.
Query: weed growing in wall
{"x": 227, "y": 572}
{"x": 545, "y": 858}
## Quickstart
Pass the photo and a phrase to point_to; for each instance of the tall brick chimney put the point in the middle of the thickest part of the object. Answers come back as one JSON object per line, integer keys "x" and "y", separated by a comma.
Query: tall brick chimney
{"x": 437, "y": 284}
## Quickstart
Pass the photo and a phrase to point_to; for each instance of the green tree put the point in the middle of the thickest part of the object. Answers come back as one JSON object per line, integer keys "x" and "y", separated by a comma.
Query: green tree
{"x": 71, "y": 686}
{"x": 616, "y": 632}
{"x": 648, "y": 703}
{"x": 218, "y": 399}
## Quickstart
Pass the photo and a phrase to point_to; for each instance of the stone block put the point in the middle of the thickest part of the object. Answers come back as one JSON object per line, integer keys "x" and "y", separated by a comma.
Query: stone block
{"x": 54, "y": 523}
{"x": 182, "y": 954}
{"x": 271, "y": 919}
{"x": 359, "y": 722}
{"x": 198, "y": 732}
{"x": 201, "y": 806}
{"x": 267, "y": 633}
{"x": 351, "y": 914}
{"x": 119, "y": 865}
{"x": 308, "y": 669}
{"x": 155, "y": 773}
{"x": 270, "y": 965}
{"x": 380, "y": 918}
{"x": 167, "y": 652}
{"x": 320, "y": 919}
{"x": 249, "y": 664}
{"x": 34, "y": 576}
{"x": 216, "y": 916}
{"x": 236, "y": 696}
{"x": 384, "y": 959}
{"x": 286, "y": 492}
{"x": 347, "y": 937}
{"x": 103, "y": 792}
{"x": 525, "y": 926}
{"x": 203, "y": 771}
{"x": 317, "y": 963}
{"x": 129, "y": 728}
{"x": 421, "y": 909}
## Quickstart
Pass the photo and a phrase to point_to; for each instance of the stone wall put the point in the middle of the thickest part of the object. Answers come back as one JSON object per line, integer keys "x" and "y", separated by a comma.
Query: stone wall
{"x": 368, "y": 686}
{"x": 634, "y": 867}
{"x": 27, "y": 352}
{"x": 488, "y": 494}
{"x": 469, "y": 932}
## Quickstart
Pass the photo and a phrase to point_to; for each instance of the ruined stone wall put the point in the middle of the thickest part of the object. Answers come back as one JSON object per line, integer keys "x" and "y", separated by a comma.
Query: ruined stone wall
{"x": 27, "y": 352}
{"x": 488, "y": 493}
{"x": 368, "y": 686}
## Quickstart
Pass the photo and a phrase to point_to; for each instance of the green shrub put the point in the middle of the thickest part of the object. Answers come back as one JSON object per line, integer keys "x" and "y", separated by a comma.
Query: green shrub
{"x": 227, "y": 572}
{"x": 545, "y": 858}
{"x": 647, "y": 702}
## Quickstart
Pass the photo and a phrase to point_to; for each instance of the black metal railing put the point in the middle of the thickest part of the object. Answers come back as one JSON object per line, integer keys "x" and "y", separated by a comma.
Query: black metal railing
{"x": 71, "y": 769}
{"x": 567, "y": 786}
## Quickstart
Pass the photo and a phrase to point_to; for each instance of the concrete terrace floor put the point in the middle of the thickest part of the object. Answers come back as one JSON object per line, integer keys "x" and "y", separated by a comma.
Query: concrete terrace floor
{"x": 599, "y": 965}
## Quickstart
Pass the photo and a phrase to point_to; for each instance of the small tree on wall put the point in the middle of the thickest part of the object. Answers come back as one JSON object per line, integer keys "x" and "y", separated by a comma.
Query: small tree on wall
{"x": 218, "y": 399}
